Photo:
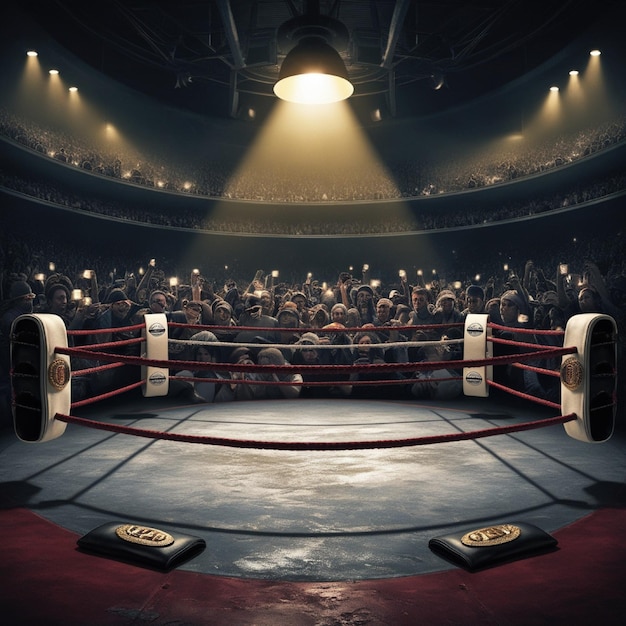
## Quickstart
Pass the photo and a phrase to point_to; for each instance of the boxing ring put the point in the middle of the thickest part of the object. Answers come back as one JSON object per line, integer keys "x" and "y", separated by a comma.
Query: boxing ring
{"x": 314, "y": 489}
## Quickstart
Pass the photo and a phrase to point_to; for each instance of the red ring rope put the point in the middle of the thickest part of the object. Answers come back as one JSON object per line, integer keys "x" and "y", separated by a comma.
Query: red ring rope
{"x": 395, "y": 367}
{"x": 527, "y": 331}
{"x": 93, "y": 352}
{"x": 312, "y": 445}
{"x": 107, "y": 395}
{"x": 521, "y": 394}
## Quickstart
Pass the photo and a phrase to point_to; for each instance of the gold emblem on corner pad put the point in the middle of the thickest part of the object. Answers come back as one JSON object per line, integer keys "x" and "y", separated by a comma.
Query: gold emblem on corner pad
{"x": 491, "y": 535}
{"x": 144, "y": 535}
{"x": 59, "y": 374}
{"x": 571, "y": 373}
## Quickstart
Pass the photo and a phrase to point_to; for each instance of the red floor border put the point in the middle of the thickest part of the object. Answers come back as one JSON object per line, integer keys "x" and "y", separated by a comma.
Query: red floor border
{"x": 47, "y": 581}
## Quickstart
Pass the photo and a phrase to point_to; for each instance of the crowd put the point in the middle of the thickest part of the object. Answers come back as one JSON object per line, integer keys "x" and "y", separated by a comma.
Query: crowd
{"x": 393, "y": 220}
{"x": 345, "y": 320}
{"x": 444, "y": 172}
{"x": 352, "y": 320}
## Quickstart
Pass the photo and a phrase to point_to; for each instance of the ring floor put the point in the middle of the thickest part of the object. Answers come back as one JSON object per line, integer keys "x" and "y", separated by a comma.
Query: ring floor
{"x": 313, "y": 515}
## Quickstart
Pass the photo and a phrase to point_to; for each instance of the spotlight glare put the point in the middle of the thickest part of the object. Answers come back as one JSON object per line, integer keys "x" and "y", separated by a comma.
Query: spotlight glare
{"x": 313, "y": 88}
{"x": 573, "y": 73}
{"x": 73, "y": 89}
{"x": 554, "y": 89}
{"x": 595, "y": 53}
{"x": 53, "y": 72}
{"x": 31, "y": 53}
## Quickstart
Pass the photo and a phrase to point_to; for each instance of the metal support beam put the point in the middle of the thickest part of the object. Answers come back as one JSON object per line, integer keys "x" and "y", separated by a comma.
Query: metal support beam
{"x": 233, "y": 94}
{"x": 391, "y": 93}
{"x": 231, "y": 33}
{"x": 397, "y": 19}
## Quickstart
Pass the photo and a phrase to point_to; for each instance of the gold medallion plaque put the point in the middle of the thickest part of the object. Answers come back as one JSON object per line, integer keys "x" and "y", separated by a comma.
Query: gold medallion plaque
{"x": 144, "y": 535}
{"x": 491, "y": 535}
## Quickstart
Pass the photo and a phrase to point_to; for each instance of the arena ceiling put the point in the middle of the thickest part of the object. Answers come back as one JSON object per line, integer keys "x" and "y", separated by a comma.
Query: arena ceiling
{"x": 408, "y": 56}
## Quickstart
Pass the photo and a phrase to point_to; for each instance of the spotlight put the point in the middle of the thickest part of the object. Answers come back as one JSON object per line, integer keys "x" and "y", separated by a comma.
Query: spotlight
{"x": 313, "y": 73}
{"x": 595, "y": 53}
{"x": 376, "y": 115}
{"x": 437, "y": 81}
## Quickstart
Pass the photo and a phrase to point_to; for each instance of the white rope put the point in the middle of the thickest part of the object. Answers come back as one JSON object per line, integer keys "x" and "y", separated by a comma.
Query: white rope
{"x": 322, "y": 346}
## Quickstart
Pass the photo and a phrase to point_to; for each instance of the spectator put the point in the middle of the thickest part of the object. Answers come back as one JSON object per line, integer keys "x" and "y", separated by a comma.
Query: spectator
{"x": 446, "y": 311}
{"x": 439, "y": 384}
{"x": 273, "y": 356}
{"x": 339, "y": 313}
{"x": 364, "y": 303}
{"x": 245, "y": 389}
{"x": 302, "y": 306}
{"x": 370, "y": 351}
{"x": 307, "y": 352}
{"x": 201, "y": 391}
{"x": 57, "y": 302}
{"x": 158, "y": 302}
{"x": 514, "y": 309}
{"x": 423, "y": 313}
{"x": 116, "y": 317}
{"x": 288, "y": 320}
{"x": 223, "y": 316}
{"x": 474, "y": 300}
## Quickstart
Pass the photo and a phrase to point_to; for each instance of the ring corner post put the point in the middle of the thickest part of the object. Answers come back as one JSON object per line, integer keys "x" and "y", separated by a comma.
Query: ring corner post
{"x": 476, "y": 346}
{"x": 589, "y": 377}
{"x": 40, "y": 378}
{"x": 155, "y": 347}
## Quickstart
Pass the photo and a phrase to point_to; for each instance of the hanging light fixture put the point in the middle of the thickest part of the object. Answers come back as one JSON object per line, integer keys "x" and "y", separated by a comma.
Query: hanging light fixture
{"x": 313, "y": 71}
